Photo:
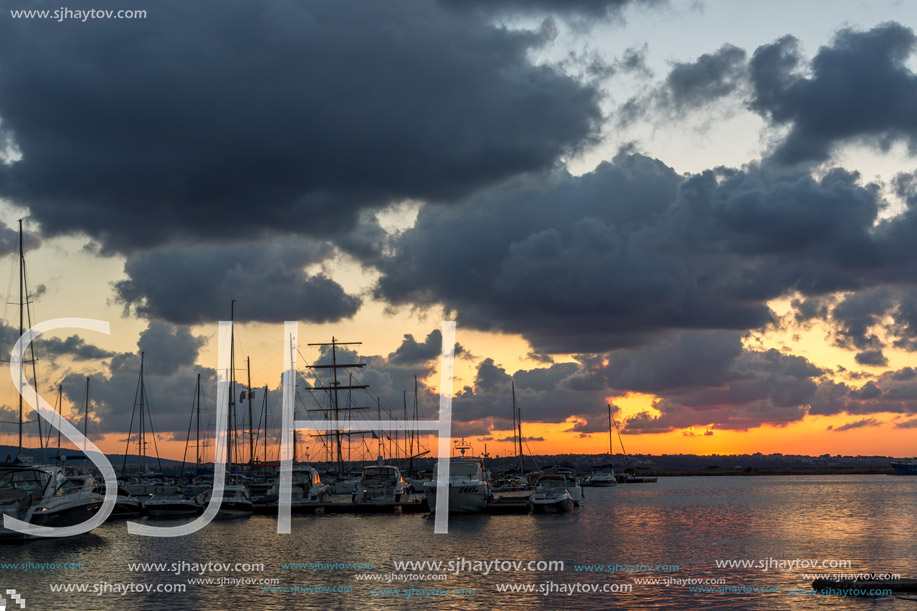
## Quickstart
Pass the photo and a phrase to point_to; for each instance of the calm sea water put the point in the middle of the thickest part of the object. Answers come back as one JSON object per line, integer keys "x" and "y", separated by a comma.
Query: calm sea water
{"x": 688, "y": 522}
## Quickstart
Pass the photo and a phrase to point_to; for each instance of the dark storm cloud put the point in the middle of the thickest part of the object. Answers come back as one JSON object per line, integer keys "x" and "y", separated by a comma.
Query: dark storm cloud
{"x": 170, "y": 375}
{"x": 543, "y": 394}
{"x": 857, "y": 315}
{"x": 412, "y": 352}
{"x": 53, "y": 348}
{"x": 710, "y": 77}
{"x": 892, "y": 391}
{"x": 756, "y": 388}
{"x": 194, "y": 284}
{"x": 619, "y": 255}
{"x": 688, "y": 87}
{"x": 874, "y": 358}
{"x": 868, "y": 320}
{"x": 9, "y": 240}
{"x": 75, "y": 347}
{"x": 812, "y": 308}
{"x": 589, "y": 8}
{"x": 214, "y": 119}
{"x": 691, "y": 359}
{"x": 857, "y": 88}
{"x": 169, "y": 347}
{"x": 593, "y": 66}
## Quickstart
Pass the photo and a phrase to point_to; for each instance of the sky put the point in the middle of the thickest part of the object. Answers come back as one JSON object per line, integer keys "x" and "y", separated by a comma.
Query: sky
{"x": 698, "y": 212}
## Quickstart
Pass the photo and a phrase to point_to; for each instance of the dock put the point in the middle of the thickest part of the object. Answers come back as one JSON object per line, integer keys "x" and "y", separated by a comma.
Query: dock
{"x": 342, "y": 503}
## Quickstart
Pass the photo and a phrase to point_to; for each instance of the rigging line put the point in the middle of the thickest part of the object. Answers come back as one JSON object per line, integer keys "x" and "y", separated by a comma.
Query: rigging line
{"x": 262, "y": 421}
{"x": 28, "y": 310}
{"x": 187, "y": 441}
{"x": 531, "y": 453}
{"x": 129, "y": 431}
{"x": 149, "y": 413}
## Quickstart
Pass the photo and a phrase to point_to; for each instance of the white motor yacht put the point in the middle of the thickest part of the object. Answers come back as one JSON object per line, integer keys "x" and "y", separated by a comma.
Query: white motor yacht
{"x": 43, "y": 496}
{"x": 551, "y": 495}
{"x": 380, "y": 485}
{"x": 603, "y": 479}
{"x": 173, "y": 504}
{"x": 469, "y": 488}
{"x": 305, "y": 489}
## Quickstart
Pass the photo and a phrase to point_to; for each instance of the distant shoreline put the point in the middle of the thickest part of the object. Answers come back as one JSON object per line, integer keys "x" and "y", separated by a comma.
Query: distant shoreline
{"x": 754, "y": 471}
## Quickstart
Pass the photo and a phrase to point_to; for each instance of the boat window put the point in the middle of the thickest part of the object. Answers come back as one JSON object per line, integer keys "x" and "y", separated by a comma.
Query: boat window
{"x": 461, "y": 469}
{"x": 30, "y": 481}
{"x": 379, "y": 474}
{"x": 66, "y": 487}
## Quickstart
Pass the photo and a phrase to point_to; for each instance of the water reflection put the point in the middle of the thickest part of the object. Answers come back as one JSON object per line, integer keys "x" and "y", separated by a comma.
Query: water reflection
{"x": 689, "y": 522}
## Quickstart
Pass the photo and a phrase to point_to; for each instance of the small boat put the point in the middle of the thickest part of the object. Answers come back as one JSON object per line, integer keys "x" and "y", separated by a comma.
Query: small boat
{"x": 380, "y": 485}
{"x": 344, "y": 484}
{"x": 631, "y": 478}
{"x": 173, "y": 505}
{"x": 574, "y": 486}
{"x": 306, "y": 489}
{"x": 469, "y": 488}
{"x": 126, "y": 506}
{"x": 43, "y": 496}
{"x": 551, "y": 495}
{"x": 606, "y": 477}
{"x": 512, "y": 484}
{"x": 905, "y": 466}
{"x": 603, "y": 479}
{"x": 236, "y": 502}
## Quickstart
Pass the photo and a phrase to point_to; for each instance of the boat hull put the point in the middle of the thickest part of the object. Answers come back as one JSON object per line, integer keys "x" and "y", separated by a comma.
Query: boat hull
{"x": 553, "y": 506}
{"x": 471, "y": 498}
{"x": 905, "y": 468}
{"x": 67, "y": 515}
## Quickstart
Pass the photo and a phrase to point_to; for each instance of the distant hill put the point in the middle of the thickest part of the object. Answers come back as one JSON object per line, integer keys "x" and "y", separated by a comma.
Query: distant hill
{"x": 50, "y": 456}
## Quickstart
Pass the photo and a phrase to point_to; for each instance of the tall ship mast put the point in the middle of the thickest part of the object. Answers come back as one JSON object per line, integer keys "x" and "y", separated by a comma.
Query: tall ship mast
{"x": 333, "y": 390}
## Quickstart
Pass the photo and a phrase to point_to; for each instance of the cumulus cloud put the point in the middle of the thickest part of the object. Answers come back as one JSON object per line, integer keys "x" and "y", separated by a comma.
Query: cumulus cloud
{"x": 632, "y": 249}
{"x": 857, "y": 88}
{"x": 587, "y": 8}
{"x": 191, "y": 284}
{"x": 413, "y": 352}
{"x": 185, "y": 132}
{"x": 691, "y": 85}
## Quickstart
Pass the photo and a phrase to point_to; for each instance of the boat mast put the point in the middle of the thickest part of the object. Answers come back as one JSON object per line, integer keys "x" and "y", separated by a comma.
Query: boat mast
{"x": 21, "y": 329}
{"x": 404, "y": 397}
{"x": 251, "y": 433}
{"x": 85, "y": 417}
{"x": 379, "y": 417}
{"x": 232, "y": 384}
{"x": 413, "y": 429}
{"x": 197, "y": 446}
{"x": 517, "y": 413}
{"x": 334, "y": 390}
{"x": 337, "y": 434}
{"x": 610, "y": 450}
{"x": 60, "y": 401}
{"x": 142, "y": 439}
{"x": 621, "y": 441}
{"x": 264, "y": 412}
